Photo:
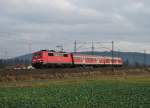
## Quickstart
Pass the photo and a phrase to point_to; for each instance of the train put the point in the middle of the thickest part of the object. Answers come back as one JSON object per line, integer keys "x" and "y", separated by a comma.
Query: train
{"x": 51, "y": 58}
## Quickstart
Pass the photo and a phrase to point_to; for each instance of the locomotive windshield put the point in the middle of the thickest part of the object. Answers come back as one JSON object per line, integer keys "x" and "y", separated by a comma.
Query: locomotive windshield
{"x": 37, "y": 54}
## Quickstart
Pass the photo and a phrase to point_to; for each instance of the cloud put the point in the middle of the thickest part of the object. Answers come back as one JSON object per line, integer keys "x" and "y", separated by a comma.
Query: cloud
{"x": 50, "y": 22}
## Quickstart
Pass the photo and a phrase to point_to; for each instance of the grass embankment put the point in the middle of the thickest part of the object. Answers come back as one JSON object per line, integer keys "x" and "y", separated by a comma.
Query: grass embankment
{"x": 65, "y": 73}
{"x": 98, "y": 92}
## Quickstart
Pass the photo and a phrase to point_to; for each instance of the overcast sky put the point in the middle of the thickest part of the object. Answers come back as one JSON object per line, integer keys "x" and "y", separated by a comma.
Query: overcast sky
{"x": 47, "y": 23}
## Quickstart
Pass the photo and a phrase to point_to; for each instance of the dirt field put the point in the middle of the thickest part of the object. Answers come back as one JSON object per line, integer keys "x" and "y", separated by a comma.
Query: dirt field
{"x": 64, "y": 73}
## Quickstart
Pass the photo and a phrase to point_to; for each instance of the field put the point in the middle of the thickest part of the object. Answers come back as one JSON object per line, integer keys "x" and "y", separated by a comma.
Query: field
{"x": 99, "y": 91}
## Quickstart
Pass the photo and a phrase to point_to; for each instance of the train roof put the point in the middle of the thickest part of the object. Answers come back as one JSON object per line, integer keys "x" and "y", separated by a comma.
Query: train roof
{"x": 52, "y": 51}
{"x": 77, "y": 54}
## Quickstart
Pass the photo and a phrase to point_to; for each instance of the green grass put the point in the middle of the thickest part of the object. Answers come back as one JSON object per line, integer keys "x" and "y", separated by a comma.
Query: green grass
{"x": 131, "y": 93}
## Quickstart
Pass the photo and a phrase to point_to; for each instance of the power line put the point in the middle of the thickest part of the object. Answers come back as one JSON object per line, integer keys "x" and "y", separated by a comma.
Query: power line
{"x": 93, "y": 45}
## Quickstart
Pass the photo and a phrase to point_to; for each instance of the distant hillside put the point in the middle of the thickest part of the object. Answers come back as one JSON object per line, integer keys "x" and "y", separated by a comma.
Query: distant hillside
{"x": 27, "y": 57}
{"x": 24, "y": 59}
{"x": 130, "y": 58}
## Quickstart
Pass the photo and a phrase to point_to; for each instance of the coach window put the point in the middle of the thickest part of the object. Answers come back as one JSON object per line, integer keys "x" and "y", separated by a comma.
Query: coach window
{"x": 65, "y": 55}
{"x": 77, "y": 58}
{"x": 50, "y": 54}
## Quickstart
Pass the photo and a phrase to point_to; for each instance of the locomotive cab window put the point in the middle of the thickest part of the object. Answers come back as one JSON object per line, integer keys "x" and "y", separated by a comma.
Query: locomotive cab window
{"x": 37, "y": 54}
{"x": 50, "y": 54}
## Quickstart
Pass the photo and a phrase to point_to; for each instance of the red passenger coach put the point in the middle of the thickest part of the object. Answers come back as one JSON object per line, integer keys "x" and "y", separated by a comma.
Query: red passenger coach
{"x": 46, "y": 58}
{"x": 92, "y": 60}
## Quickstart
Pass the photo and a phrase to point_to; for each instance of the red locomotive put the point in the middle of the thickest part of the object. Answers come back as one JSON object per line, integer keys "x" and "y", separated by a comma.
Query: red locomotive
{"x": 50, "y": 58}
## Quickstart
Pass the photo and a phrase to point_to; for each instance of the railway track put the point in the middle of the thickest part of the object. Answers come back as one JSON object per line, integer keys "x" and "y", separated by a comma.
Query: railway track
{"x": 56, "y": 70}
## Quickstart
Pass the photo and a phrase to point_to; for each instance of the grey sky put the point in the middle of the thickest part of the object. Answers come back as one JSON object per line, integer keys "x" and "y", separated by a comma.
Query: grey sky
{"x": 47, "y": 23}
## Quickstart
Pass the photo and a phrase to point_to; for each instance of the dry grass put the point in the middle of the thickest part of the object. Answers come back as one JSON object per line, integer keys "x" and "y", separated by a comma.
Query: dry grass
{"x": 55, "y": 74}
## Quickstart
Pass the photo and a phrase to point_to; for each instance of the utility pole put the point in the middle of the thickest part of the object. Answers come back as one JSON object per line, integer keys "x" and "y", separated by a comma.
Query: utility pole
{"x": 29, "y": 46}
{"x": 75, "y": 46}
{"x": 112, "y": 56}
{"x": 144, "y": 58}
{"x": 92, "y": 48}
{"x": 118, "y": 53}
{"x": 5, "y": 54}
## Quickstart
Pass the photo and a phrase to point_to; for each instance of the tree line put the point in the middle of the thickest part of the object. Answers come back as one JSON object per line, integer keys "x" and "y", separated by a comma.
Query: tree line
{"x": 13, "y": 62}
